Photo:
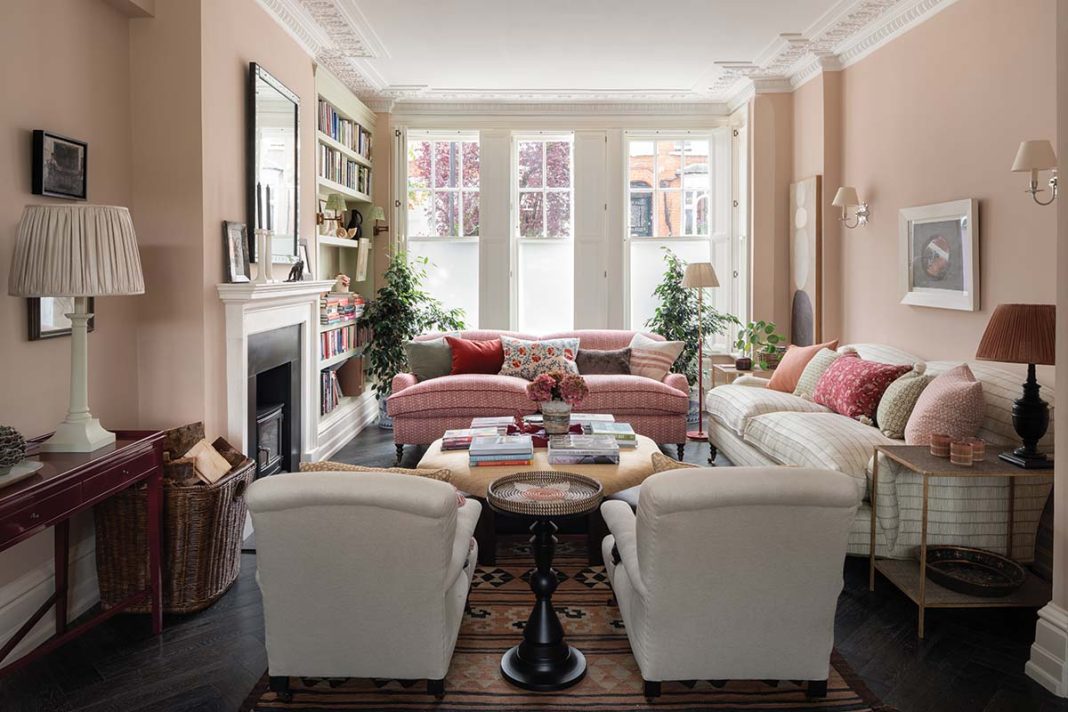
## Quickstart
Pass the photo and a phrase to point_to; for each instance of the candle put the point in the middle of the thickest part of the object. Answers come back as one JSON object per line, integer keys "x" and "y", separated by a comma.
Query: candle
{"x": 940, "y": 445}
{"x": 960, "y": 453}
{"x": 270, "y": 210}
{"x": 259, "y": 207}
{"x": 978, "y": 449}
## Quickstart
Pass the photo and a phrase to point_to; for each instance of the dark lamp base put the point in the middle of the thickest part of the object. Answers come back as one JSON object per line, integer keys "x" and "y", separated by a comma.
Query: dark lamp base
{"x": 1028, "y": 463}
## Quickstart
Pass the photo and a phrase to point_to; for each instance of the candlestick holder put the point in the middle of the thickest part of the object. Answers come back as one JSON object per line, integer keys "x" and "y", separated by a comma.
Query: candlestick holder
{"x": 263, "y": 256}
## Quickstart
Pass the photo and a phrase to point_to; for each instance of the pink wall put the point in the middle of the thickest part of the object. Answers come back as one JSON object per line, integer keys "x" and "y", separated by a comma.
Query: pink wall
{"x": 771, "y": 159}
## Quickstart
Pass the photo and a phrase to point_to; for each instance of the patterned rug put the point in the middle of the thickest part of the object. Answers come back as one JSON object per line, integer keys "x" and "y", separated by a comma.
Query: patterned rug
{"x": 499, "y": 605}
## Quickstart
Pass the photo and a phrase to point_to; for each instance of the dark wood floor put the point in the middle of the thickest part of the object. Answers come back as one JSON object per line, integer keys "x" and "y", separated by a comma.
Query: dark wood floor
{"x": 972, "y": 661}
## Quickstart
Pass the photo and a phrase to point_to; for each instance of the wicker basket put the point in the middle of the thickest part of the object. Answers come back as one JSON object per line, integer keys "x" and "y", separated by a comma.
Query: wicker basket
{"x": 202, "y": 533}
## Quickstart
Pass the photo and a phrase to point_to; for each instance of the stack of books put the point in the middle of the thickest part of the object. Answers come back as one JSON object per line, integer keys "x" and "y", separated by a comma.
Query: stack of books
{"x": 500, "y": 450}
{"x": 337, "y": 341}
{"x": 336, "y": 308}
{"x": 583, "y": 450}
{"x": 461, "y": 439}
{"x": 501, "y": 422}
{"x": 622, "y": 432}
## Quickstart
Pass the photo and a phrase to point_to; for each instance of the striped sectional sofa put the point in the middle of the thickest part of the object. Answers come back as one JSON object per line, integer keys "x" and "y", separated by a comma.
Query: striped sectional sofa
{"x": 752, "y": 425}
{"x": 423, "y": 410}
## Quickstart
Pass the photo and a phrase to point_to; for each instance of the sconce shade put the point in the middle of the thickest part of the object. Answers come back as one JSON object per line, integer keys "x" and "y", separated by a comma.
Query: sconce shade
{"x": 845, "y": 197}
{"x": 336, "y": 203}
{"x": 700, "y": 275}
{"x": 75, "y": 251}
{"x": 1020, "y": 333}
{"x": 377, "y": 213}
{"x": 1034, "y": 156}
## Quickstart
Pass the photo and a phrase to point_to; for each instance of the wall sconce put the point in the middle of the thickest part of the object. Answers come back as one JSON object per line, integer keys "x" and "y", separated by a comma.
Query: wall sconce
{"x": 846, "y": 198}
{"x": 1035, "y": 156}
{"x": 378, "y": 215}
{"x": 335, "y": 204}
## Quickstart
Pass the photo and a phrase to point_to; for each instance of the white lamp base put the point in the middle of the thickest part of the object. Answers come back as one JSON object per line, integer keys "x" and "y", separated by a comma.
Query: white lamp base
{"x": 82, "y": 436}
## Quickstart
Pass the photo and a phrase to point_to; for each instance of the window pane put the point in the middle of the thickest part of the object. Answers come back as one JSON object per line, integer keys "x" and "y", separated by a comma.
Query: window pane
{"x": 420, "y": 213}
{"x": 471, "y": 164}
{"x": 668, "y": 205}
{"x": 669, "y": 164}
{"x": 695, "y": 212}
{"x": 641, "y": 214}
{"x": 531, "y": 220}
{"x": 546, "y": 277}
{"x": 558, "y": 214}
{"x": 470, "y": 207}
{"x": 531, "y": 154}
{"x": 452, "y": 275}
{"x": 558, "y": 164}
{"x": 695, "y": 152}
{"x": 419, "y": 164}
{"x": 647, "y": 269}
{"x": 446, "y": 214}
{"x": 446, "y": 164}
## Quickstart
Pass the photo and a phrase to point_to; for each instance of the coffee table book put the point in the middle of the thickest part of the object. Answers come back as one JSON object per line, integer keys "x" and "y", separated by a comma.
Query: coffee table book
{"x": 583, "y": 450}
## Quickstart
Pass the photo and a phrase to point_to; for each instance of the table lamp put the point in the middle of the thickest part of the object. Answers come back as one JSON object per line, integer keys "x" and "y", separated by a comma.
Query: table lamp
{"x": 78, "y": 251}
{"x": 1024, "y": 333}
{"x": 700, "y": 276}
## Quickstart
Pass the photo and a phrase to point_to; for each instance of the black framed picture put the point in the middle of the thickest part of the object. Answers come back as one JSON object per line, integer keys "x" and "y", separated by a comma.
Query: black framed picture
{"x": 235, "y": 246}
{"x": 60, "y": 166}
{"x": 48, "y": 316}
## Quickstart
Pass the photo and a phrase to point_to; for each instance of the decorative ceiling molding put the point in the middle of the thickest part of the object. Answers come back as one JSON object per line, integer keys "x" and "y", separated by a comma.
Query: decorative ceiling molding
{"x": 542, "y": 108}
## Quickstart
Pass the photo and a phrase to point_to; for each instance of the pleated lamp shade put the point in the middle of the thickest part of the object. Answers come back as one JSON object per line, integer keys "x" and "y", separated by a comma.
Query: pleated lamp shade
{"x": 700, "y": 275}
{"x": 75, "y": 251}
{"x": 1020, "y": 333}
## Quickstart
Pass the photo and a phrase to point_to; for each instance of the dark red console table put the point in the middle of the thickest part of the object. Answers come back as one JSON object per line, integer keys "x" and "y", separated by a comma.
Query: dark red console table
{"x": 72, "y": 482}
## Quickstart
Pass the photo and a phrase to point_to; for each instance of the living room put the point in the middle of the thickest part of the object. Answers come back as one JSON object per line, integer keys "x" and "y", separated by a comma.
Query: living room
{"x": 746, "y": 311}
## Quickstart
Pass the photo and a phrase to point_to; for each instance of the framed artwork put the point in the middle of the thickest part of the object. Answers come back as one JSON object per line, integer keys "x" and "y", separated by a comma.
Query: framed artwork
{"x": 939, "y": 255}
{"x": 806, "y": 261}
{"x": 302, "y": 256}
{"x": 48, "y": 316}
{"x": 235, "y": 247}
{"x": 59, "y": 166}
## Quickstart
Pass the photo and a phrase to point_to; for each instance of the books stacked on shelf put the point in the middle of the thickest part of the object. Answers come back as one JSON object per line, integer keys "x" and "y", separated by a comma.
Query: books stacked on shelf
{"x": 583, "y": 450}
{"x": 337, "y": 341}
{"x": 336, "y": 166}
{"x": 500, "y": 450}
{"x": 461, "y": 439}
{"x": 337, "y": 308}
{"x": 329, "y": 390}
{"x": 345, "y": 131}
{"x": 622, "y": 432}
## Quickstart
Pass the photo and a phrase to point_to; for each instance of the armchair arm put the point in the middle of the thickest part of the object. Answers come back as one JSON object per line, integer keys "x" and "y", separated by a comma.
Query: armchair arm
{"x": 466, "y": 519}
{"x": 621, "y": 522}
{"x": 402, "y": 381}
{"x": 678, "y": 382}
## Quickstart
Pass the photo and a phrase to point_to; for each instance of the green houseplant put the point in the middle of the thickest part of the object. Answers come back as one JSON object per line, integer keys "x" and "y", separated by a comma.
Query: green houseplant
{"x": 761, "y": 341}
{"x": 400, "y": 311}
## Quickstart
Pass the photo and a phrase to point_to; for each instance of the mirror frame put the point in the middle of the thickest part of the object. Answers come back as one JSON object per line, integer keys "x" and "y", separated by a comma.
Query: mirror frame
{"x": 255, "y": 72}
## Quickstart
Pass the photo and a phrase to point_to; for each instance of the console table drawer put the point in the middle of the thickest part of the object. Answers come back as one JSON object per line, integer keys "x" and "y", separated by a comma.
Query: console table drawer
{"x": 39, "y": 514}
{"x": 116, "y": 477}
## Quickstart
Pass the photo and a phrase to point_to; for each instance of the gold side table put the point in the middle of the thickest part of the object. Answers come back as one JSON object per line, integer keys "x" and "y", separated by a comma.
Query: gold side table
{"x": 909, "y": 578}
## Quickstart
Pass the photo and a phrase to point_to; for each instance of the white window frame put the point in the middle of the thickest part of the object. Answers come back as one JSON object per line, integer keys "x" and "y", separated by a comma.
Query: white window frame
{"x": 450, "y": 136}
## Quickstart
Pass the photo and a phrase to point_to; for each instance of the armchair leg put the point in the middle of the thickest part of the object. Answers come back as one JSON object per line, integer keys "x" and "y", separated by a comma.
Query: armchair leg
{"x": 816, "y": 688}
{"x": 400, "y": 452}
{"x": 713, "y": 451}
{"x": 652, "y": 689}
{"x": 436, "y": 688}
{"x": 280, "y": 686}
{"x": 681, "y": 449}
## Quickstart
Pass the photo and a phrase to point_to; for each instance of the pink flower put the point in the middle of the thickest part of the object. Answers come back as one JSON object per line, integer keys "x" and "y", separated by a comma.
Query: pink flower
{"x": 573, "y": 389}
{"x": 541, "y": 388}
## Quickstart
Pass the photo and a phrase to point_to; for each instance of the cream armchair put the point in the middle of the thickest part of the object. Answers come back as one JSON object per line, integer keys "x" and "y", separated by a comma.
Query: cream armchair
{"x": 731, "y": 573}
{"x": 362, "y": 574}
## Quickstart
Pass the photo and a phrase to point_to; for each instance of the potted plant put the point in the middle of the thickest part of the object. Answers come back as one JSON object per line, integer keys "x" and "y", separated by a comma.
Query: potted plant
{"x": 400, "y": 311}
{"x": 556, "y": 393}
{"x": 758, "y": 340}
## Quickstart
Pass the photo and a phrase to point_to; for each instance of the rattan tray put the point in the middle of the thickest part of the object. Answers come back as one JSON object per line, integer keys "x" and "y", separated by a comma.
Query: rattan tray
{"x": 545, "y": 494}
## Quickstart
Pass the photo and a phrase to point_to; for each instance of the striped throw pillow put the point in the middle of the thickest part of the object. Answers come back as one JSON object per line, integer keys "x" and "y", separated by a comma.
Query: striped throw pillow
{"x": 653, "y": 359}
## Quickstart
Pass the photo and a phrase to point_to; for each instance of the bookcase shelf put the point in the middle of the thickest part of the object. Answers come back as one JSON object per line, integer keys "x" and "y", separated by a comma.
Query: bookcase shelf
{"x": 331, "y": 186}
{"x": 345, "y": 150}
{"x": 343, "y": 242}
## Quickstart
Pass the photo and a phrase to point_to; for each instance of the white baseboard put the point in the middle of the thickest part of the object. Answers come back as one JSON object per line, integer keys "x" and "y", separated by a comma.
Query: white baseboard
{"x": 1048, "y": 665}
{"x": 341, "y": 431}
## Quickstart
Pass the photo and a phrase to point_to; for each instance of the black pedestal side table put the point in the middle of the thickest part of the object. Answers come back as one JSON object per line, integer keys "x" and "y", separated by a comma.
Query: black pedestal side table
{"x": 544, "y": 662}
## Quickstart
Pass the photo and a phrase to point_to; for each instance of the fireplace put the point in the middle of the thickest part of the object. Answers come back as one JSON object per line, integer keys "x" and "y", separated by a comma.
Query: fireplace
{"x": 274, "y": 399}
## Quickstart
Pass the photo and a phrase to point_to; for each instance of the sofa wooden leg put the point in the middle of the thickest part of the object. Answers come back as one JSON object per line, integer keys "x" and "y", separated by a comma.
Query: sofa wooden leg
{"x": 681, "y": 449}
{"x": 436, "y": 688}
{"x": 713, "y": 451}
{"x": 400, "y": 452}
{"x": 816, "y": 688}
{"x": 279, "y": 685}
{"x": 652, "y": 689}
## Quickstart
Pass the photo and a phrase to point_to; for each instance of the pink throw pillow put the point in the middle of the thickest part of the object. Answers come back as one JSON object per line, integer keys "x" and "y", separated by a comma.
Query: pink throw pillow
{"x": 853, "y": 387}
{"x": 793, "y": 364}
{"x": 952, "y": 404}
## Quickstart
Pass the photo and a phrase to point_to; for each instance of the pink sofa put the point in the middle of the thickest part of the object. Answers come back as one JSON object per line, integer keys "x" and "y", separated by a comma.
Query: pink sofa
{"x": 423, "y": 411}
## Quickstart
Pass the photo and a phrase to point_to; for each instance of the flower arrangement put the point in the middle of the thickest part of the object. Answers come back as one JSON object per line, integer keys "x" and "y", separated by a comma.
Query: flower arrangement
{"x": 570, "y": 388}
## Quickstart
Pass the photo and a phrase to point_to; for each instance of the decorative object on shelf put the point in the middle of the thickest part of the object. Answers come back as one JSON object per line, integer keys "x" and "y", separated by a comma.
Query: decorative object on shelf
{"x": 806, "y": 261}
{"x": 12, "y": 448}
{"x": 847, "y": 198}
{"x": 235, "y": 241}
{"x": 700, "y": 276}
{"x": 355, "y": 226}
{"x": 556, "y": 394}
{"x": 60, "y": 166}
{"x": 296, "y": 272}
{"x": 362, "y": 257}
{"x": 760, "y": 340}
{"x": 272, "y": 169}
{"x": 77, "y": 251}
{"x": 379, "y": 216}
{"x": 975, "y": 572}
{"x": 1035, "y": 156}
{"x": 1024, "y": 333}
{"x": 341, "y": 283}
{"x": 939, "y": 255}
{"x": 47, "y": 316}
{"x": 264, "y": 267}
{"x": 743, "y": 363}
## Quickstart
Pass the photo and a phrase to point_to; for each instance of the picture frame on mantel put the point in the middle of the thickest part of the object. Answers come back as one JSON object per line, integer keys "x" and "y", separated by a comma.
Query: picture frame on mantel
{"x": 939, "y": 255}
{"x": 235, "y": 246}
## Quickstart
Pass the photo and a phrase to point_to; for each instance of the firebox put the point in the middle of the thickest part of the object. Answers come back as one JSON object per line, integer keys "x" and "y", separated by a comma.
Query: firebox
{"x": 274, "y": 400}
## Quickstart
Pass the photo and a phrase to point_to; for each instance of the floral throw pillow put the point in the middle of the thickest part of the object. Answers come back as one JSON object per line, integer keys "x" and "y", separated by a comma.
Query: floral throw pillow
{"x": 530, "y": 359}
{"x": 853, "y": 387}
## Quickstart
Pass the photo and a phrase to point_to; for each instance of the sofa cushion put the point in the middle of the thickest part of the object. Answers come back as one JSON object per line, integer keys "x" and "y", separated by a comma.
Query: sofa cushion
{"x": 793, "y": 363}
{"x": 651, "y": 358}
{"x": 952, "y": 404}
{"x": 897, "y": 403}
{"x": 463, "y": 395}
{"x": 632, "y": 394}
{"x": 733, "y": 405}
{"x": 854, "y": 387}
{"x": 595, "y": 361}
{"x": 814, "y": 370}
{"x": 429, "y": 359}
{"x": 822, "y": 440}
{"x": 468, "y": 356}
{"x": 530, "y": 359}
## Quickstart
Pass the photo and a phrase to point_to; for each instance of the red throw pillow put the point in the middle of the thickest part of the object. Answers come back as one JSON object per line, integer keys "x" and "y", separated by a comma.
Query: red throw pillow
{"x": 793, "y": 365}
{"x": 853, "y": 387}
{"x": 475, "y": 356}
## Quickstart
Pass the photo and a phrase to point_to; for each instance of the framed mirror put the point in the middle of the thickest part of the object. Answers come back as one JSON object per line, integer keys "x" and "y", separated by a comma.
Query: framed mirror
{"x": 273, "y": 152}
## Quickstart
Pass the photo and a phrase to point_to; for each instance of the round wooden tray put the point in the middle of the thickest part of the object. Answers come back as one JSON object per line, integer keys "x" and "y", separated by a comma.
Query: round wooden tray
{"x": 975, "y": 572}
{"x": 545, "y": 494}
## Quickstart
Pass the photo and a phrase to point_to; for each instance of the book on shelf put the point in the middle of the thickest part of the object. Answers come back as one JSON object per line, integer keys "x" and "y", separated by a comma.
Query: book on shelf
{"x": 338, "y": 341}
{"x": 329, "y": 390}
{"x": 583, "y": 450}
{"x": 336, "y": 308}
{"x": 622, "y": 432}
{"x": 460, "y": 439}
{"x": 345, "y": 131}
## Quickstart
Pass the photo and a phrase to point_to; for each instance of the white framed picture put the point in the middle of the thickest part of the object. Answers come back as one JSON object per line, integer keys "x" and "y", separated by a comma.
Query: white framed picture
{"x": 939, "y": 255}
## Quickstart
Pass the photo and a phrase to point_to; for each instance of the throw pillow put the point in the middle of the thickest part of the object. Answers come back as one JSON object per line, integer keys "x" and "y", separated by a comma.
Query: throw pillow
{"x": 653, "y": 359}
{"x": 663, "y": 463}
{"x": 900, "y": 398}
{"x": 475, "y": 356}
{"x": 853, "y": 387}
{"x": 328, "y": 466}
{"x": 530, "y": 359}
{"x": 806, "y": 384}
{"x": 429, "y": 359}
{"x": 951, "y": 404}
{"x": 793, "y": 365}
{"x": 593, "y": 362}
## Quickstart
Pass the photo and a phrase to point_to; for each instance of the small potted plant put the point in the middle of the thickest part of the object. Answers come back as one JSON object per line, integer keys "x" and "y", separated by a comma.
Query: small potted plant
{"x": 556, "y": 393}
{"x": 759, "y": 340}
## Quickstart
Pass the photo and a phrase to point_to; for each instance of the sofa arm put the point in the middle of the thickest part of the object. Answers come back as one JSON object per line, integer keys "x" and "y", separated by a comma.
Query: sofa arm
{"x": 624, "y": 527}
{"x": 677, "y": 381}
{"x": 466, "y": 519}
{"x": 751, "y": 381}
{"x": 402, "y": 381}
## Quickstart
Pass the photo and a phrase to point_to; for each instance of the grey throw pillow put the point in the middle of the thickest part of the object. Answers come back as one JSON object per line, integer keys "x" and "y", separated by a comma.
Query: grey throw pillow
{"x": 429, "y": 359}
{"x": 609, "y": 363}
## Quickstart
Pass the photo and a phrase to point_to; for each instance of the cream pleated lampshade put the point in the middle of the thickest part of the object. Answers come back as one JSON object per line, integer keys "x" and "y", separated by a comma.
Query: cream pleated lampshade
{"x": 75, "y": 251}
{"x": 700, "y": 275}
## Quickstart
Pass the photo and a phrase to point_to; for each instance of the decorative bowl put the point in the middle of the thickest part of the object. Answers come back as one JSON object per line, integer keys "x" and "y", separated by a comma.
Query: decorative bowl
{"x": 976, "y": 572}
